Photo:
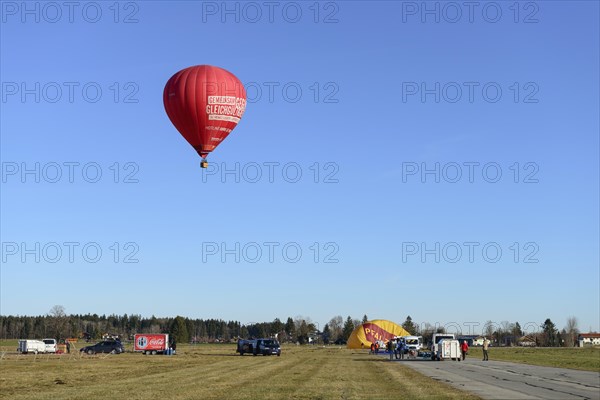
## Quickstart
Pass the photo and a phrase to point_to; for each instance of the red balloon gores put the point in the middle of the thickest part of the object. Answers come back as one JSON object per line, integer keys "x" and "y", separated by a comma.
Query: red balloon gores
{"x": 205, "y": 104}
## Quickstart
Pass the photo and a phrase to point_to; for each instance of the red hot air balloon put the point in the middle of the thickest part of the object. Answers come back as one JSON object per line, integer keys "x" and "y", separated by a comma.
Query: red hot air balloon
{"x": 205, "y": 104}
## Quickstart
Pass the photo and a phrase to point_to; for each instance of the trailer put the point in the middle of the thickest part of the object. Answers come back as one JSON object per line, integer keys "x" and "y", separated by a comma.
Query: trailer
{"x": 151, "y": 343}
{"x": 435, "y": 345}
{"x": 31, "y": 346}
{"x": 449, "y": 349}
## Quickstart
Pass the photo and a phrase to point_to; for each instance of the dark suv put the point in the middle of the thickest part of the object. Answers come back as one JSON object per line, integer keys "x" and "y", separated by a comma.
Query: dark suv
{"x": 106, "y": 346}
{"x": 266, "y": 347}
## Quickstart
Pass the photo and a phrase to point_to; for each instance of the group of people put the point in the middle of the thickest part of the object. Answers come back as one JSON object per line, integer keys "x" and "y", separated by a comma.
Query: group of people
{"x": 374, "y": 348}
{"x": 397, "y": 350}
{"x": 464, "y": 349}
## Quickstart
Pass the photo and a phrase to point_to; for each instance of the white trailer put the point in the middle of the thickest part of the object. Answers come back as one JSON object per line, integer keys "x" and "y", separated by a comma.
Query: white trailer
{"x": 448, "y": 349}
{"x": 31, "y": 346}
{"x": 435, "y": 345}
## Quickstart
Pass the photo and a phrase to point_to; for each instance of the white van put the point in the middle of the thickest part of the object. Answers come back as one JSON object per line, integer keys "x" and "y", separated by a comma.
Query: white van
{"x": 50, "y": 345}
{"x": 413, "y": 342}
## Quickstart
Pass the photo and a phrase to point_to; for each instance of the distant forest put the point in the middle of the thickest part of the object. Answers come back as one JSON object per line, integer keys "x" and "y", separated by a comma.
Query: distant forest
{"x": 93, "y": 327}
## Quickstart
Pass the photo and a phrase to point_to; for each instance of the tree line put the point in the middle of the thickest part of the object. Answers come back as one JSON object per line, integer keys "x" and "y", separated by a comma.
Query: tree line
{"x": 57, "y": 324}
{"x": 508, "y": 333}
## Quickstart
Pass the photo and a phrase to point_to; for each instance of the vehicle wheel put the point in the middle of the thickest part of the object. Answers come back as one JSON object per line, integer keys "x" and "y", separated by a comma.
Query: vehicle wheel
{"x": 278, "y": 354}
{"x": 114, "y": 351}
{"x": 153, "y": 352}
{"x": 241, "y": 353}
{"x": 90, "y": 352}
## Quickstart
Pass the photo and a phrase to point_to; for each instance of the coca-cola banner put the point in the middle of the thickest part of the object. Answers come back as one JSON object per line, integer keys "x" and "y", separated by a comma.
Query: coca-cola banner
{"x": 150, "y": 342}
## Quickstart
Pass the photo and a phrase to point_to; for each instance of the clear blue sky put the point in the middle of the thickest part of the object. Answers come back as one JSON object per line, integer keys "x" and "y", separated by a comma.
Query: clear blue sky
{"x": 369, "y": 73}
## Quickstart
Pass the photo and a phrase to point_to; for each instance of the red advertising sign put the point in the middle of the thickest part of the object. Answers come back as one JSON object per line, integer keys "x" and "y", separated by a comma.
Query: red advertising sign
{"x": 150, "y": 342}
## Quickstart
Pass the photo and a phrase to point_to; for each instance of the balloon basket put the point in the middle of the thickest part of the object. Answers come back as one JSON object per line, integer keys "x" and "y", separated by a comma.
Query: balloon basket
{"x": 203, "y": 164}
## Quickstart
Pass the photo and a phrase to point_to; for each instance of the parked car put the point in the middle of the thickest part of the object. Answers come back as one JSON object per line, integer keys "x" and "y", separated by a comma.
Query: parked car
{"x": 106, "y": 346}
{"x": 266, "y": 347}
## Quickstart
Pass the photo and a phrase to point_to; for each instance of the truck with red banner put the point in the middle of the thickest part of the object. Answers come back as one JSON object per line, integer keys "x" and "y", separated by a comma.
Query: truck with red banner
{"x": 151, "y": 343}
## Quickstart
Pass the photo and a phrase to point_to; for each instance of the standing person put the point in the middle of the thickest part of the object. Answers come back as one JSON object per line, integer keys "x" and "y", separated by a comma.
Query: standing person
{"x": 464, "y": 348}
{"x": 376, "y": 347}
{"x": 68, "y": 347}
{"x": 401, "y": 349}
{"x": 174, "y": 346}
{"x": 390, "y": 349}
{"x": 486, "y": 344}
{"x": 372, "y": 348}
{"x": 397, "y": 349}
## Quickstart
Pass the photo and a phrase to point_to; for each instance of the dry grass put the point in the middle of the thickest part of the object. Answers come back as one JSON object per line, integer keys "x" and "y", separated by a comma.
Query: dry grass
{"x": 215, "y": 372}
{"x": 587, "y": 358}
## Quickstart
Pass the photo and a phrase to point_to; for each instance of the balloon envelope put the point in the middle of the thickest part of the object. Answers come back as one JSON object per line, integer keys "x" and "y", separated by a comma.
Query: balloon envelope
{"x": 205, "y": 104}
{"x": 373, "y": 331}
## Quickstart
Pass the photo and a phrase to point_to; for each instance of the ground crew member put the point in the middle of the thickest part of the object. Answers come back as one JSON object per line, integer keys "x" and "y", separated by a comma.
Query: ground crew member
{"x": 486, "y": 344}
{"x": 402, "y": 347}
{"x": 464, "y": 348}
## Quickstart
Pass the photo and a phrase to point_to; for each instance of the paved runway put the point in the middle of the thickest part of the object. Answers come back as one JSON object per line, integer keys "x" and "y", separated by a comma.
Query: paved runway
{"x": 506, "y": 380}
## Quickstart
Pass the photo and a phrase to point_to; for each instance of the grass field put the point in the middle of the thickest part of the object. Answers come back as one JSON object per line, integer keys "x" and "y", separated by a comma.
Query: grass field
{"x": 587, "y": 359}
{"x": 215, "y": 372}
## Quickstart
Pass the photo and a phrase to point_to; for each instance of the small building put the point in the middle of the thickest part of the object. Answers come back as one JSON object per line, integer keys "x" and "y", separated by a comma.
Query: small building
{"x": 315, "y": 336}
{"x": 527, "y": 341}
{"x": 588, "y": 339}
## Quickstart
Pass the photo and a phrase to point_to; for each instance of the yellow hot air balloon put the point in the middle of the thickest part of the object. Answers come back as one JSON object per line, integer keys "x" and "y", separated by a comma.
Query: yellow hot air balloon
{"x": 373, "y": 331}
